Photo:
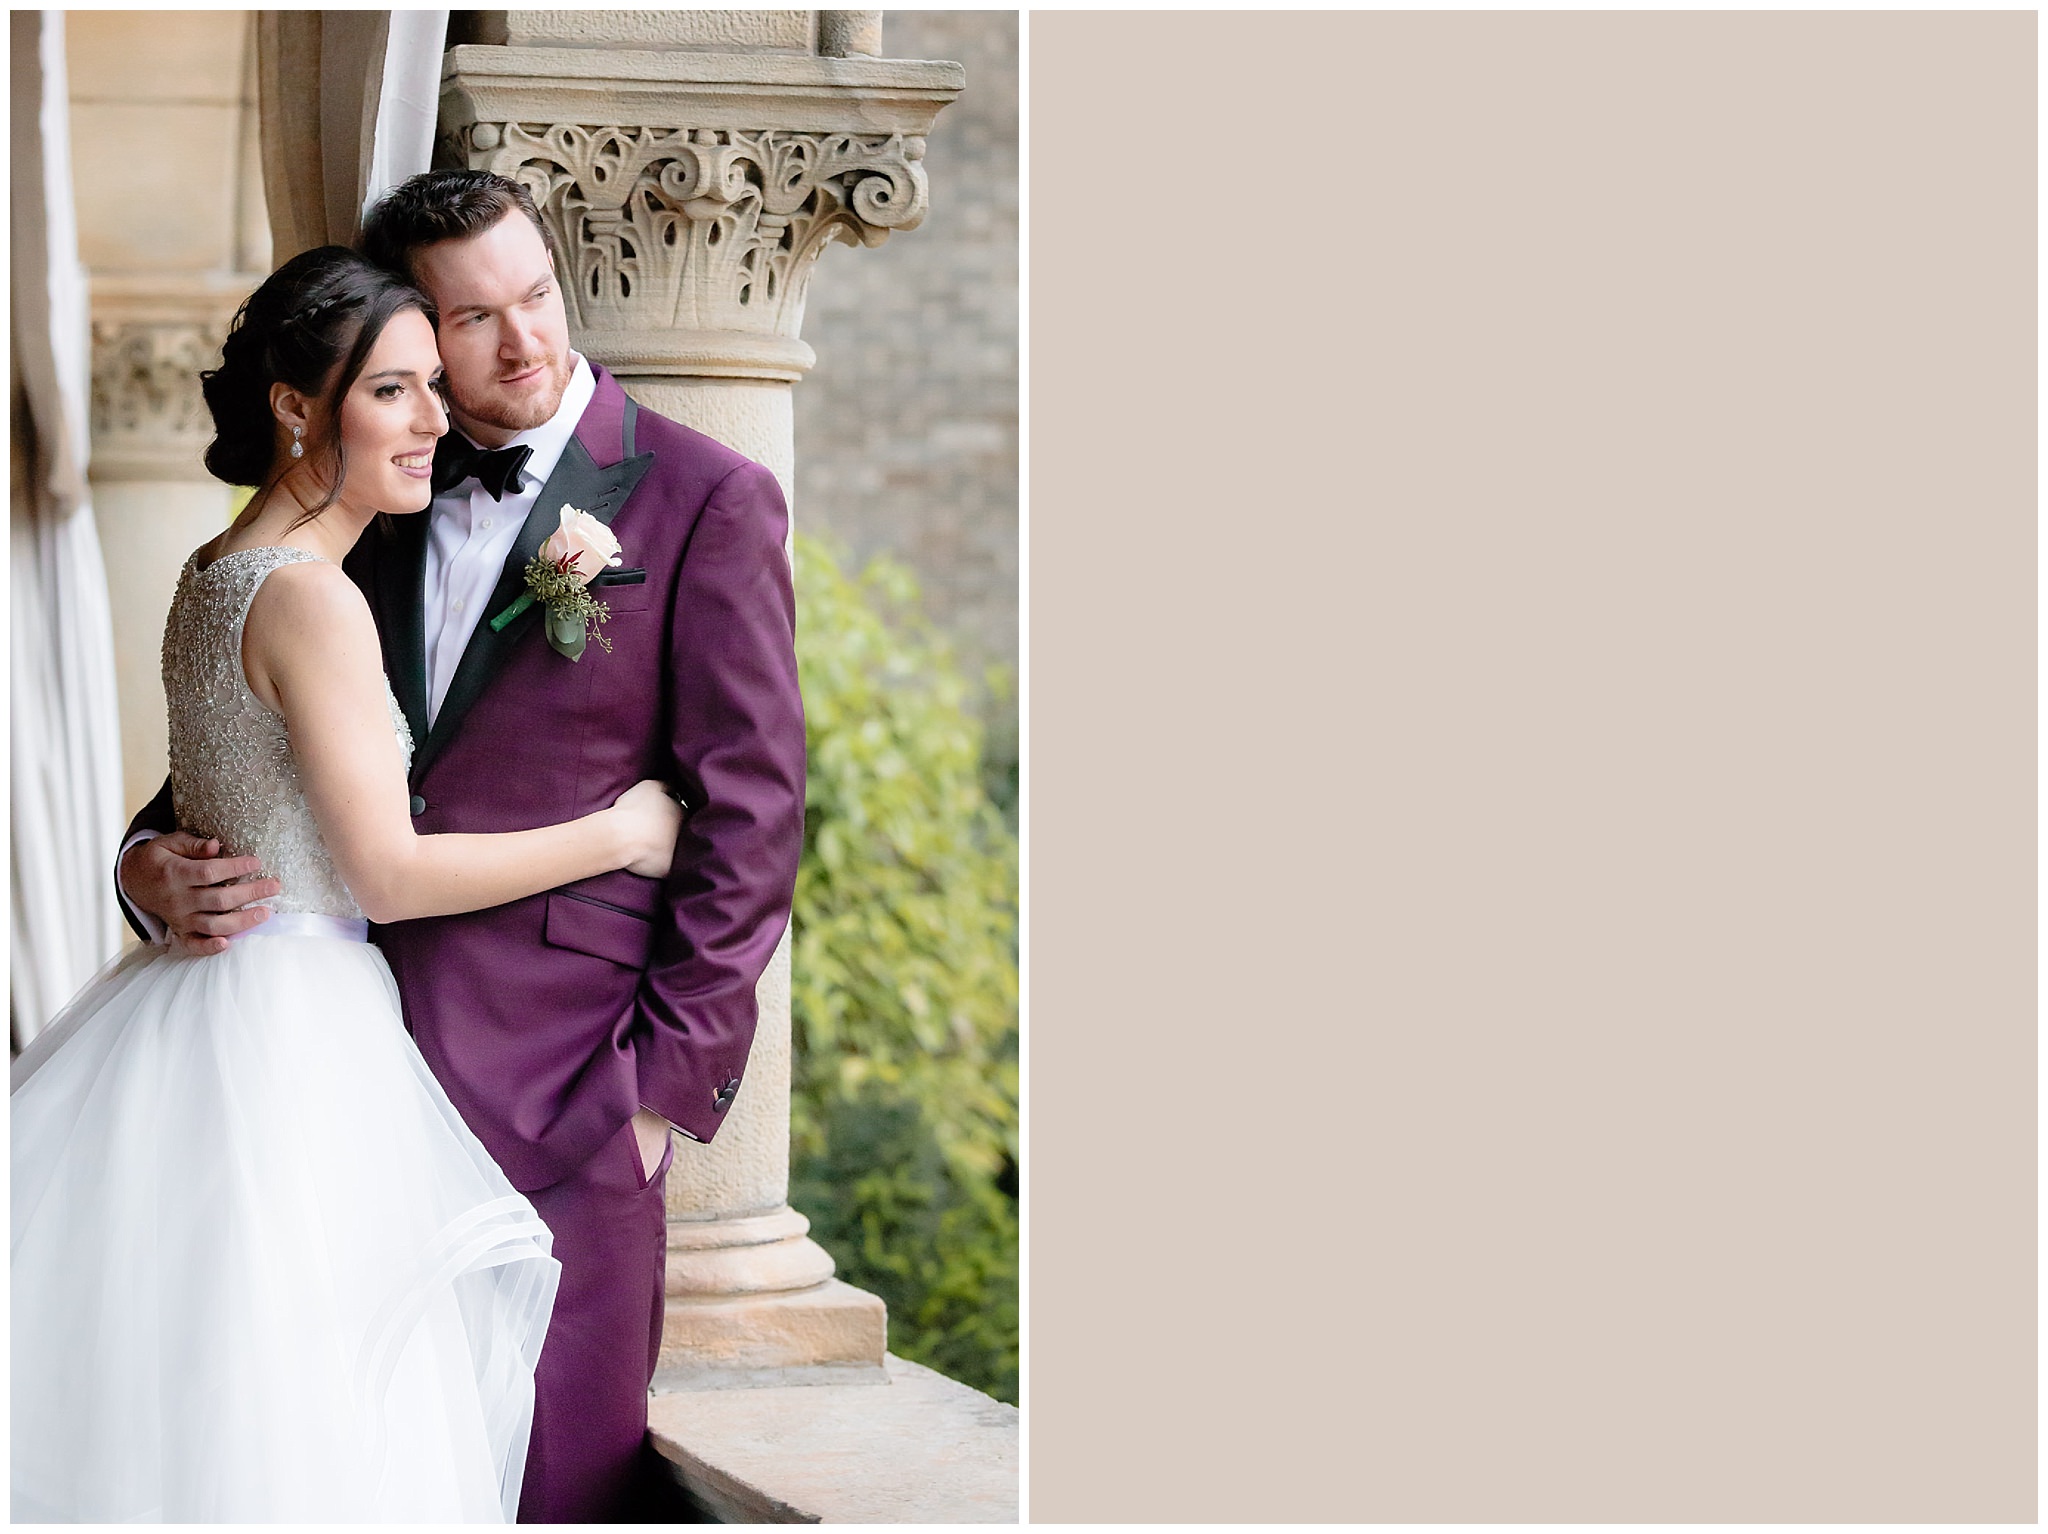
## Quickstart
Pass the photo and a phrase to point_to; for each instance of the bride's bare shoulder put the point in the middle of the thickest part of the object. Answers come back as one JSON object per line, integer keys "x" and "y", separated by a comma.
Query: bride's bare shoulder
{"x": 309, "y": 632}
{"x": 309, "y": 600}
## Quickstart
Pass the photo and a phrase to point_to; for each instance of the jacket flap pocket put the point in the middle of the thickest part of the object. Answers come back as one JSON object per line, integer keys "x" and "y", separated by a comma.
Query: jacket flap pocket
{"x": 602, "y": 930}
{"x": 627, "y": 891}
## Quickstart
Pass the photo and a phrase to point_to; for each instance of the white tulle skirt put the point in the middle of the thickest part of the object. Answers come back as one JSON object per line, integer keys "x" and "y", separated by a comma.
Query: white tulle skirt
{"x": 261, "y": 1270}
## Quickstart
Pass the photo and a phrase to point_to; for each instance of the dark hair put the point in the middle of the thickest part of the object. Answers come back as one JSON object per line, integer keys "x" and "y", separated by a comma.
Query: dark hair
{"x": 441, "y": 205}
{"x": 310, "y": 325}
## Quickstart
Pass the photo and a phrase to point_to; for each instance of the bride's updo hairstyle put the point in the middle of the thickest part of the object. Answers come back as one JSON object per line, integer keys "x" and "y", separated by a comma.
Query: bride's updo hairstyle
{"x": 310, "y": 326}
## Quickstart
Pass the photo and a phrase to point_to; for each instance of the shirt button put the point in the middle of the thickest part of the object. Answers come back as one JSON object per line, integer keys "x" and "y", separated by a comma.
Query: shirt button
{"x": 487, "y": 524}
{"x": 458, "y": 604}
{"x": 419, "y": 805}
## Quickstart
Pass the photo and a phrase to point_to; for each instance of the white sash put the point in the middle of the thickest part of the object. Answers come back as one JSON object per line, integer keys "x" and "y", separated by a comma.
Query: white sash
{"x": 309, "y": 924}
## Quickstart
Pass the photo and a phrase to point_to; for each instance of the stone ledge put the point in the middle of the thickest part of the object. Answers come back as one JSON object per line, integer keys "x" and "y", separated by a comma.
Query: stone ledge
{"x": 790, "y": 71}
{"x": 670, "y": 92}
{"x": 919, "y": 1449}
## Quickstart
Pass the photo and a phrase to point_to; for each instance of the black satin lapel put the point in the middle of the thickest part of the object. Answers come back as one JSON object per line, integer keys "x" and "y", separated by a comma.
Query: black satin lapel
{"x": 577, "y": 481}
{"x": 398, "y": 591}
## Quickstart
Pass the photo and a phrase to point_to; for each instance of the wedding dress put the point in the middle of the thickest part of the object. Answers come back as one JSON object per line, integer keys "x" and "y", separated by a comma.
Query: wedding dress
{"x": 261, "y": 1269}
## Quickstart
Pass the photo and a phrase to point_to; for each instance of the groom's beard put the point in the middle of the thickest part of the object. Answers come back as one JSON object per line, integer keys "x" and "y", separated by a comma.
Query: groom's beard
{"x": 528, "y": 408}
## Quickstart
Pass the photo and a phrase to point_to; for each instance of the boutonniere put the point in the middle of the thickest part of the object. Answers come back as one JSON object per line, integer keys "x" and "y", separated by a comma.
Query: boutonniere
{"x": 559, "y": 577}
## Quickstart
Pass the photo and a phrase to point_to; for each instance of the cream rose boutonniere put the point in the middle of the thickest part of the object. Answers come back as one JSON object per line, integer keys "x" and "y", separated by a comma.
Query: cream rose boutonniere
{"x": 559, "y": 576}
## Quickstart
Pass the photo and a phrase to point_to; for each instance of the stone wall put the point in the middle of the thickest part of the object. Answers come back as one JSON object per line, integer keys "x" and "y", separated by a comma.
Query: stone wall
{"x": 163, "y": 145}
{"x": 907, "y": 427}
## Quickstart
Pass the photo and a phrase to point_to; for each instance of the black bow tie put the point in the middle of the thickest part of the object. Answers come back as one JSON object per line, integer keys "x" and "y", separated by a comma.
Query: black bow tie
{"x": 456, "y": 458}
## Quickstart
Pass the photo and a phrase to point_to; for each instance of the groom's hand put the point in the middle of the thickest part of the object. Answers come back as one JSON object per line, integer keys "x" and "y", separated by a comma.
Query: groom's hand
{"x": 184, "y": 882}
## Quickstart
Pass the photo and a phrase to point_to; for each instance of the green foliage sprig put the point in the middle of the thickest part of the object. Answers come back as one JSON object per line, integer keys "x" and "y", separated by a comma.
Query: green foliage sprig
{"x": 572, "y": 612}
{"x": 904, "y": 978}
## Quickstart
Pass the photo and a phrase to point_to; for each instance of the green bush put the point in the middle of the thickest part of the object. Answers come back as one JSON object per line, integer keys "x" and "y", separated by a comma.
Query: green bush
{"x": 903, "y": 1109}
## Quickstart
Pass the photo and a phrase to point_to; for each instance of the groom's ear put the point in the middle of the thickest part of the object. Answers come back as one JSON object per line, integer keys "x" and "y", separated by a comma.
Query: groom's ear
{"x": 290, "y": 406}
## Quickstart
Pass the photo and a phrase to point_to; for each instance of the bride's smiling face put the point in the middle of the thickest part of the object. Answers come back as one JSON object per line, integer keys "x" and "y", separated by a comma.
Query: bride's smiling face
{"x": 391, "y": 418}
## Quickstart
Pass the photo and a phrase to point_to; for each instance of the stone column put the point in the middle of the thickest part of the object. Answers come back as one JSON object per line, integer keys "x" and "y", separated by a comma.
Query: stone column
{"x": 153, "y": 498}
{"x": 693, "y": 166}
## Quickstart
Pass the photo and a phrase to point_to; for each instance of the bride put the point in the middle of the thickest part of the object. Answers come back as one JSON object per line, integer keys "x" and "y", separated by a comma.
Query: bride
{"x": 261, "y": 1270}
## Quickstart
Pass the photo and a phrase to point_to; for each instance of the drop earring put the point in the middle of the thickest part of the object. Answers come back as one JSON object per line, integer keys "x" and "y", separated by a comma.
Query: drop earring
{"x": 298, "y": 447}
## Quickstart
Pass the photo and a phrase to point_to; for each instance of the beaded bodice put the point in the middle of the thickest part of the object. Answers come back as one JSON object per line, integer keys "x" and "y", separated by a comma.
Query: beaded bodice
{"x": 233, "y": 774}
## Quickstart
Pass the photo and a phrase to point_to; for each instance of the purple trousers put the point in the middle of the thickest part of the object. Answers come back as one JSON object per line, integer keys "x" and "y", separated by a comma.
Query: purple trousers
{"x": 590, "y": 1389}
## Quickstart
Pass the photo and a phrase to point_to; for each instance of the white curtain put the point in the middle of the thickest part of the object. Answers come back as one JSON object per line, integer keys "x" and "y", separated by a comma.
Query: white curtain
{"x": 409, "y": 106}
{"x": 64, "y": 751}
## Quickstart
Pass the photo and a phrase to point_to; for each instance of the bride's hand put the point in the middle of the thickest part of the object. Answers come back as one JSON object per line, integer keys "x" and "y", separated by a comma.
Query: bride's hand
{"x": 652, "y": 818}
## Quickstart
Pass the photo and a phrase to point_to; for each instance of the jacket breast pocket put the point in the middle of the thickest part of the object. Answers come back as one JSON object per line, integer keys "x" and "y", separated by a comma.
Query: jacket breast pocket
{"x": 594, "y": 927}
{"x": 623, "y": 591}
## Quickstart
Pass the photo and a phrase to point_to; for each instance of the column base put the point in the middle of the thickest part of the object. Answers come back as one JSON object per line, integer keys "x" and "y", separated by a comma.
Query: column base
{"x": 743, "y": 1254}
{"x": 831, "y": 1333}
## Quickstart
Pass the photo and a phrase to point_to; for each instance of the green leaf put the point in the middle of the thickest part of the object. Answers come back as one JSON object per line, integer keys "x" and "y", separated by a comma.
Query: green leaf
{"x": 567, "y": 632}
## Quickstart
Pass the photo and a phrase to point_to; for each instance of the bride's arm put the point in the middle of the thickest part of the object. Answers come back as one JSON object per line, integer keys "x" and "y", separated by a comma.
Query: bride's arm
{"x": 309, "y": 649}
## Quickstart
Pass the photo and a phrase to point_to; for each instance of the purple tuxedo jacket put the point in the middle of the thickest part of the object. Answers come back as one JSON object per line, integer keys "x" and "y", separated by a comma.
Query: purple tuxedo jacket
{"x": 548, "y": 1020}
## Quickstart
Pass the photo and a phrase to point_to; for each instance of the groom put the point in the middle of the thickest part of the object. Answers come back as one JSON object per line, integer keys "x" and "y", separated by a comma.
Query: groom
{"x": 571, "y": 1029}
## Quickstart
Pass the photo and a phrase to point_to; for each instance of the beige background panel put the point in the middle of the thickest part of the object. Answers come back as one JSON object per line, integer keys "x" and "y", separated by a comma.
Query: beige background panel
{"x": 165, "y": 153}
{"x": 1533, "y": 767}
{"x": 196, "y": 57}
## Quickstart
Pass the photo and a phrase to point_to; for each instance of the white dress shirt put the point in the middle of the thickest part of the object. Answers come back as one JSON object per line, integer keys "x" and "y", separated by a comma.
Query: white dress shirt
{"x": 469, "y": 536}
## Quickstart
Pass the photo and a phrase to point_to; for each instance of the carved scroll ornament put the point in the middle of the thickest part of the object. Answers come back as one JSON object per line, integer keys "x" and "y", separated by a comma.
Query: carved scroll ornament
{"x": 145, "y": 383}
{"x": 701, "y": 229}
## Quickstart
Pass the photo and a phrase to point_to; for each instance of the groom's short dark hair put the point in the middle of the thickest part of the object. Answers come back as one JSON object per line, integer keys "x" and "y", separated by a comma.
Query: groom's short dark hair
{"x": 441, "y": 205}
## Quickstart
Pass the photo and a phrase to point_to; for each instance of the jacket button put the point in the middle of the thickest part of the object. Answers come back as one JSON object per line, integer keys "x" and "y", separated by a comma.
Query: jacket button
{"x": 419, "y": 805}
{"x": 722, "y": 1098}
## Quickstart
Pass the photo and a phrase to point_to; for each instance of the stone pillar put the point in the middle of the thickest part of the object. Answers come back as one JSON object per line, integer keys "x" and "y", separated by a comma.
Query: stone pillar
{"x": 153, "y": 498}
{"x": 693, "y": 166}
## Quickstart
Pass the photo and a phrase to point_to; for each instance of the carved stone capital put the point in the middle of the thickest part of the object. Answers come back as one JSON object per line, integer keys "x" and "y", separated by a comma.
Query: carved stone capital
{"x": 690, "y": 215}
{"x": 145, "y": 394}
{"x": 149, "y": 343}
{"x": 702, "y": 229}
